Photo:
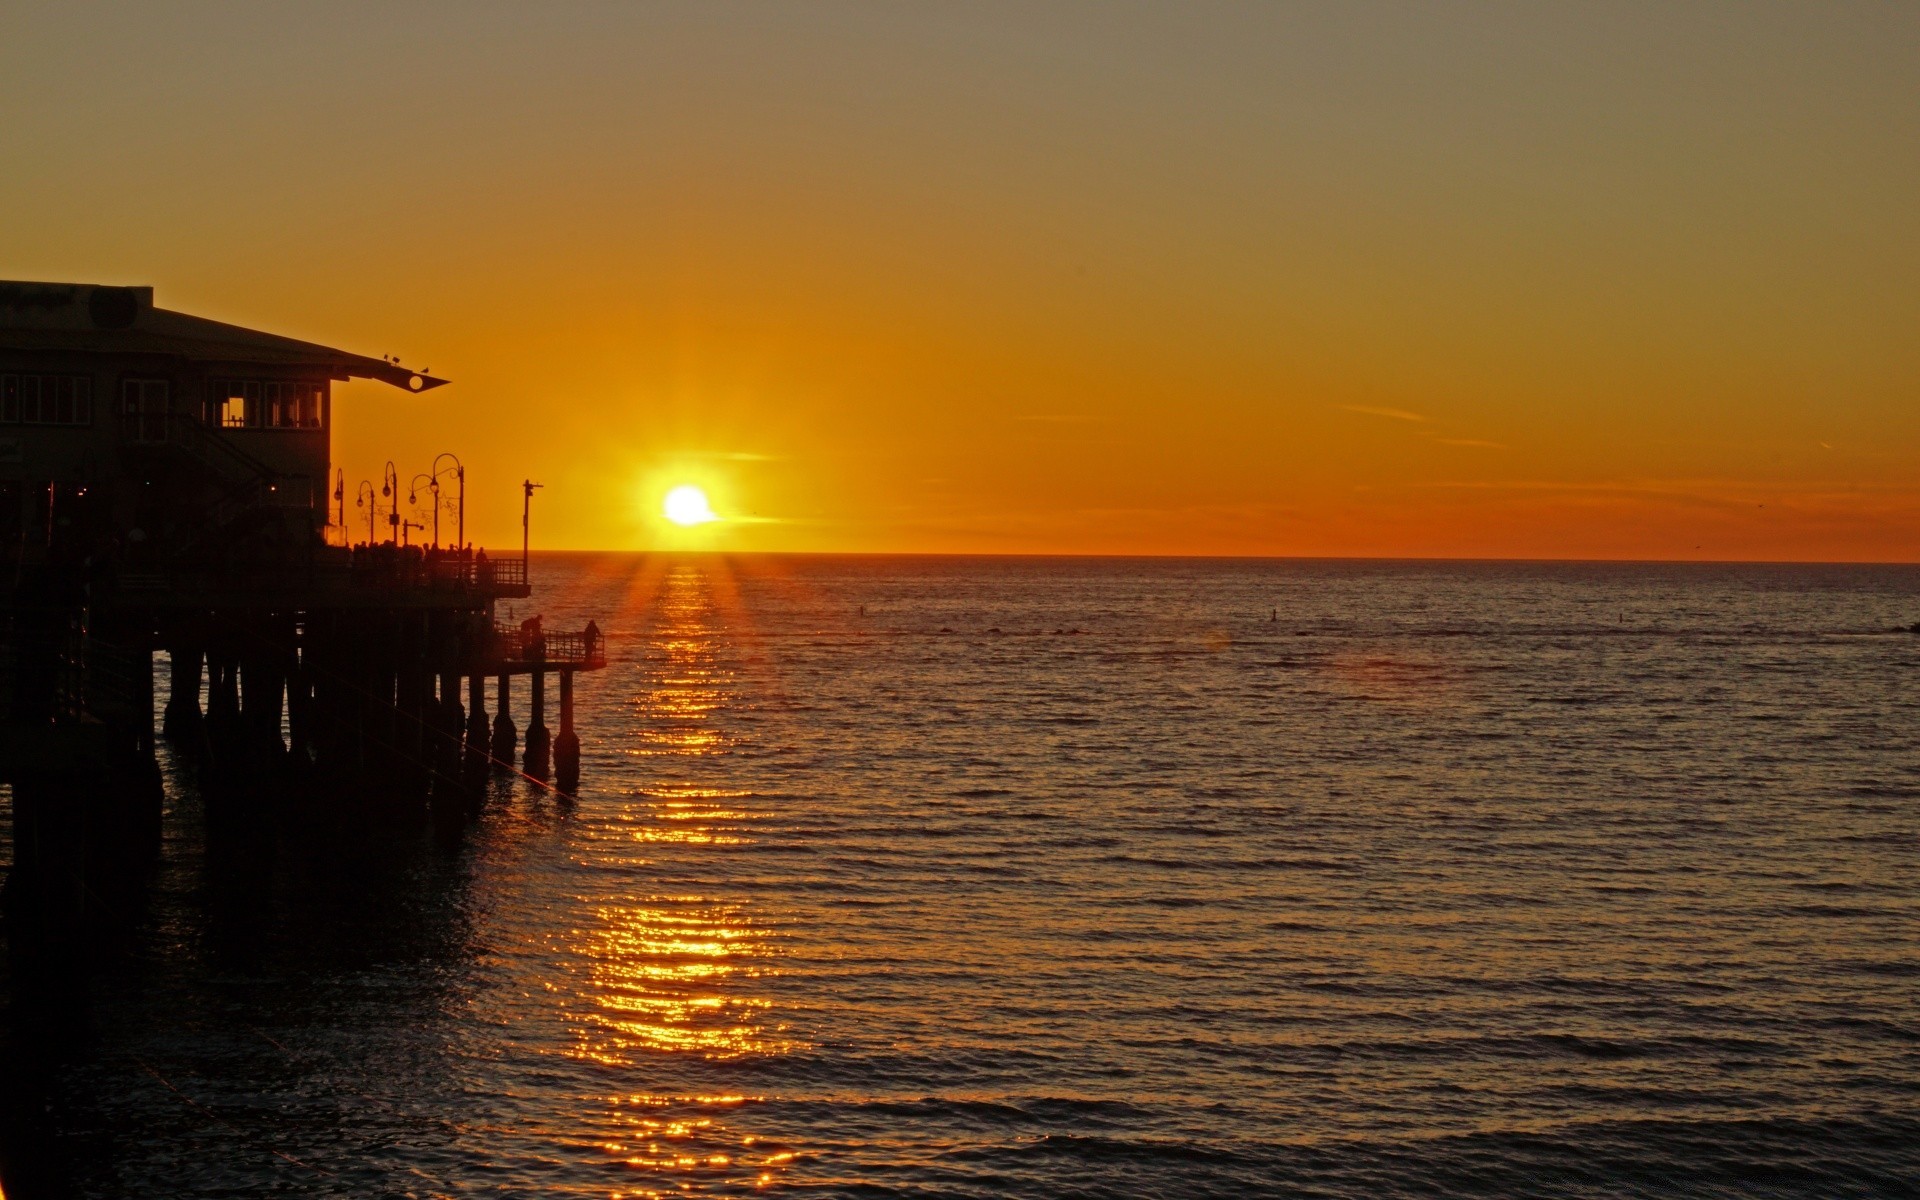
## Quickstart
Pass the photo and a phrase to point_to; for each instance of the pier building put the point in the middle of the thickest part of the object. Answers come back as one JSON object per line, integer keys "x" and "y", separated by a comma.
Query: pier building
{"x": 167, "y": 488}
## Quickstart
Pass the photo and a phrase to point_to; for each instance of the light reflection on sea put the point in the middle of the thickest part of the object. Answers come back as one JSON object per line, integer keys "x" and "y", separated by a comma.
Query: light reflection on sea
{"x": 1028, "y": 878}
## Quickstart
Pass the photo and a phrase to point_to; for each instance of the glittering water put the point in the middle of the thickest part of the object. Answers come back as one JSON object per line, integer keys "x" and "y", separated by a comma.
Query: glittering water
{"x": 1043, "y": 878}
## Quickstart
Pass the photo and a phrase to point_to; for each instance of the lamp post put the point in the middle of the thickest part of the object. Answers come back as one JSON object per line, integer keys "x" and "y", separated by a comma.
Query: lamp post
{"x": 390, "y": 486}
{"x": 433, "y": 488}
{"x": 526, "y": 507}
{"x": 340, "y": 498}
{"x": 460, "y": 477}
{"x": 366, "y": 497}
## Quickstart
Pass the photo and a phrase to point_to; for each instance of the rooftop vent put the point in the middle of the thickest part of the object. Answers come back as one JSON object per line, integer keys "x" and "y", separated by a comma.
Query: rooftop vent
{"x": 117, "y": 307}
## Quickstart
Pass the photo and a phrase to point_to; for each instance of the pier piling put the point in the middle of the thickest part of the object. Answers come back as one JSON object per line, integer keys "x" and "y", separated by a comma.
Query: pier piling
{"x": 566, "y": 747}
{"x": 157, "y": 513}
{"x": 539, "y": 740}
{"x": 504, "y": 734}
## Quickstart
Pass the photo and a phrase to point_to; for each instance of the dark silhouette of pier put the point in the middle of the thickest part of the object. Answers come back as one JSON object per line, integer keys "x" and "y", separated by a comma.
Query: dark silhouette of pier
{"x": 163, "y": 492}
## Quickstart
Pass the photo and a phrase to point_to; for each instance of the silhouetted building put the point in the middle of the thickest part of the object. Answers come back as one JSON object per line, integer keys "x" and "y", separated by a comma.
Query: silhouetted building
{"x": 156, "y": 426}
{"x": 164, "y": 487}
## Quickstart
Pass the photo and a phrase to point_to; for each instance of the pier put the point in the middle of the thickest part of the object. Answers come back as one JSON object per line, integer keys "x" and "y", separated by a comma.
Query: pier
{"x": 164, "y": 500}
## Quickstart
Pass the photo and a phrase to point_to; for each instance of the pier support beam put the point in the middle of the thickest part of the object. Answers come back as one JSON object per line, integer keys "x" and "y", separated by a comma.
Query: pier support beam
{"x": 143, "y": 698}
{"x": 262, "y": 685}
{"x": 566, "y": 747}
{"x": 414, "y": 697}
{"x": 225, "y": 732}
{"x": 448, "y": 729}
{"x": 503, "y": 731}
{"x": 300, "y": 713}
{"x": 479, "y": 737}
{"x": 539, "y": 740}
{"x": 183, "y": 697}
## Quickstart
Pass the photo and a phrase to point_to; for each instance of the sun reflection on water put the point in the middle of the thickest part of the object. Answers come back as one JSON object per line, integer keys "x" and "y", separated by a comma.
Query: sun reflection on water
{"x": 672, "y": 972}
{"x": 661, "y": 972}
{"x": 686, "y": 1139}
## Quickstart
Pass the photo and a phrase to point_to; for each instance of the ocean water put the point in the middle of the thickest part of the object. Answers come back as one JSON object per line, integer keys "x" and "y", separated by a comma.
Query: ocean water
{"x": 1003, "y": 877}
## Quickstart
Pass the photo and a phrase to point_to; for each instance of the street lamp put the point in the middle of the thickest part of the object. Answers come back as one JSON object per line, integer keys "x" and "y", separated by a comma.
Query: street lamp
{"x": 340, "y": 498}
{"x": 460, "y": 477}
{"x": 413, "y": 497}
{"x": 390, "y": 486}
{"x": 365, "y": 498}
{"x": 526, "y": 507}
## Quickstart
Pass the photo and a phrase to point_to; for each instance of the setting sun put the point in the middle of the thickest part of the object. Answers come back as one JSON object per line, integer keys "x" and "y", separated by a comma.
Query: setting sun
{"x": 687, "y": 505}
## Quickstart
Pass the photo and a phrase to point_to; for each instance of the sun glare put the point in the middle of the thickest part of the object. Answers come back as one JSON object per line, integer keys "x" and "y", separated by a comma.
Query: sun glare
{"x": 687, "y": 505}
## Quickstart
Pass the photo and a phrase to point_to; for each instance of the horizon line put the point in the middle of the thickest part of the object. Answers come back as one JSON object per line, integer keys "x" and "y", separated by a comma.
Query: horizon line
{"x": 1406, "y": 558}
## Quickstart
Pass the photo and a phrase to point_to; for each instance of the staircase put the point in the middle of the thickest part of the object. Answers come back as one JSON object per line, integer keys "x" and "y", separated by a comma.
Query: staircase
{"x": 244, "y": 483}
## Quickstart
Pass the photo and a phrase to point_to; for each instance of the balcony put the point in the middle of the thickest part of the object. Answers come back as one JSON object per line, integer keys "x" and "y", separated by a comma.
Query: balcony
{"x": 520, "y": 648}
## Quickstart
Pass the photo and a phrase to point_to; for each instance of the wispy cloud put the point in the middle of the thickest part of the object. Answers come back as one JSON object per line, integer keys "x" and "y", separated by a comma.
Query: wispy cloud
{"x": 1478, "y": 442}
{"x": 1056, "y": 418}
{"x": 1396, "y": 414}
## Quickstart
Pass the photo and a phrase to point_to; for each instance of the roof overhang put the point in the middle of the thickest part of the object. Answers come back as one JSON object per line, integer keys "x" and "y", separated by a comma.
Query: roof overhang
{"x": 93, "y": 319}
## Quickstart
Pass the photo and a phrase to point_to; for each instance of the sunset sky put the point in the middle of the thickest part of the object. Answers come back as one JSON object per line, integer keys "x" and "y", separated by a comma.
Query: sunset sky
{"x": 1612, "y": 280}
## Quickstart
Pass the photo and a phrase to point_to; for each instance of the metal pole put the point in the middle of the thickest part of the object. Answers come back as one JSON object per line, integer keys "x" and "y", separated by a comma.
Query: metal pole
{"x": 390, "y": 486}
{"x": 526, "y": 507}
{"x": 365, "y": 496}
{"x": 433, "y": 490}
{"x": 460, "y": 475}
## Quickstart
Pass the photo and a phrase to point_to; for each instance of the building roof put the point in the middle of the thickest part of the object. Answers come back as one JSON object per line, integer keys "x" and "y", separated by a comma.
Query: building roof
{"x": 96, "y": 319}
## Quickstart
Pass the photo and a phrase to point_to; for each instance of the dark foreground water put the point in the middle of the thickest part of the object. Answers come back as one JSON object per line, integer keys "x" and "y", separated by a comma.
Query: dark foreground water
{"x": 1053, "y": 878}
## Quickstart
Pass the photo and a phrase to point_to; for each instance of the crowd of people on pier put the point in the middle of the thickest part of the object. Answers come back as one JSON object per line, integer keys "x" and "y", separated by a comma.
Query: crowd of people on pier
{"x": 390, "y": 564}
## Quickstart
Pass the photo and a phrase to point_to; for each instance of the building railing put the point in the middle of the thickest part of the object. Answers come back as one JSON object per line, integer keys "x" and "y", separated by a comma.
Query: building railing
{"x": 479, "y": 572}
{"x": 505, "y": 572}
{"x": 387, "y": 565}
{"x": 381, "y": 568}
{"x": 586, "y": 649}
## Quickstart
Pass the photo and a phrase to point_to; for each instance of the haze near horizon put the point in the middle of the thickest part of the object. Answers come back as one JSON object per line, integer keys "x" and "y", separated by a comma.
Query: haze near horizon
{"x": 1605, "y": 280}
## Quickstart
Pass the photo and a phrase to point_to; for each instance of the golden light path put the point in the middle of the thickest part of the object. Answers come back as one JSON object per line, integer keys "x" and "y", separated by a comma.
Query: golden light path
{"x": 658, "y": 965}
{"x": 670, "y": 973}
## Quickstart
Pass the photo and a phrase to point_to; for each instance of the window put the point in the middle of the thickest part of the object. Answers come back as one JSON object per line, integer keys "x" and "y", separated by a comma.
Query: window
{"x": 143, "y": 408}
{"x": 46, "y": 400}
{"x": 265, "y": 404}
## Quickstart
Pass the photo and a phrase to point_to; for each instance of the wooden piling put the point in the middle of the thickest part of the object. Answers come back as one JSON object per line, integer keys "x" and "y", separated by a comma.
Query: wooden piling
{"x": 539, "y": 740}
{"x": 503, "y": 731}
{"x": 566, "y": 747}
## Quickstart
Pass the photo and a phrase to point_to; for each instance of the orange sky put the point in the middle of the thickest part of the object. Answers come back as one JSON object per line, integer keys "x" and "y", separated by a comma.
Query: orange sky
{"x": 1500, "y": 280}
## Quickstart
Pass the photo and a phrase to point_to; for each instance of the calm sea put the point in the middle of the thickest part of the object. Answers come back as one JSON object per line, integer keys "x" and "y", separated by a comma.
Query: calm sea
{"x": 1001, "y": 877}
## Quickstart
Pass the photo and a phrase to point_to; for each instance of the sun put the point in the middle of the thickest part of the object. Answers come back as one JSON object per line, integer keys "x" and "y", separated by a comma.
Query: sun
{"x": 687, "y": 505}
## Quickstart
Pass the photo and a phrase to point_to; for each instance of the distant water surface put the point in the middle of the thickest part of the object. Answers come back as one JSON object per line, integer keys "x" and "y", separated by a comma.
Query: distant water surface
{"x": 1022, "y": 877}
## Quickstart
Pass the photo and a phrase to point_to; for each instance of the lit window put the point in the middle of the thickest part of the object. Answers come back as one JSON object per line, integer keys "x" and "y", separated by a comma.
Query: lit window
{"x": 265, "y": 404}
